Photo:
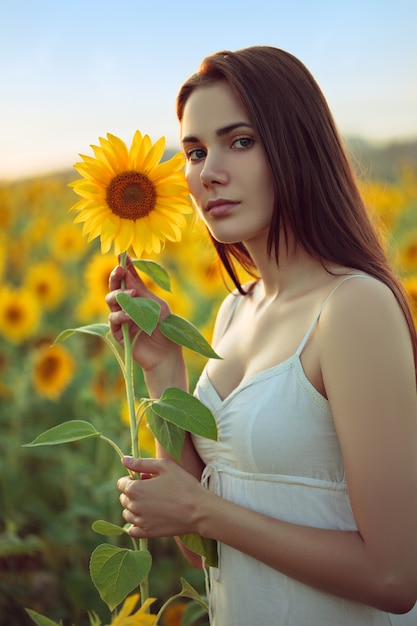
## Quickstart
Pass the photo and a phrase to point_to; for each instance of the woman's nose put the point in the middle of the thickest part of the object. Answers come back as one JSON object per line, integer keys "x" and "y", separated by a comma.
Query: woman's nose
{"x": 213, "y": 172}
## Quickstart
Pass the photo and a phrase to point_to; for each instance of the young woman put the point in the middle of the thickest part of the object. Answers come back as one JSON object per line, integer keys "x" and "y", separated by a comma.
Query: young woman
{"x": 311, "y": 488}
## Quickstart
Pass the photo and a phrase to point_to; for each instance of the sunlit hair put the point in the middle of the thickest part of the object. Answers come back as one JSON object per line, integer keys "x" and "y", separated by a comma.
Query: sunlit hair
{"x": 317, "y": 200}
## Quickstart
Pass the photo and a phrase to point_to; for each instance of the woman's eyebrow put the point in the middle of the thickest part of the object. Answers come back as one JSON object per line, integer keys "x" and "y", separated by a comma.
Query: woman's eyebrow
{"x": 220, "y": 132}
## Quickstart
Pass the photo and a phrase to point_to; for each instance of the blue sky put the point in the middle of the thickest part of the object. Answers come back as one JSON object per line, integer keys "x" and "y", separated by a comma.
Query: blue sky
{"x": 73, "y": 71}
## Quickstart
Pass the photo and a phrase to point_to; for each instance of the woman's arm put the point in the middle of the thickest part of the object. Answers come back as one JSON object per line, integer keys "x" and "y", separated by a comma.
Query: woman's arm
{"x": 368, "y": 373}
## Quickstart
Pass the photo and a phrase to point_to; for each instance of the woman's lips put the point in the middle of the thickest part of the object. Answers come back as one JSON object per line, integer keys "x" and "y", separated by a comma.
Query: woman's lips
{"x": 220, "y": 207}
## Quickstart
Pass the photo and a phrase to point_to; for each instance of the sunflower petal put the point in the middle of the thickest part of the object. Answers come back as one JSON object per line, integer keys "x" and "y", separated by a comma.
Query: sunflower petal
{"x": 135, "y": 148}
{"x": 115, "y": 153}
{"x": 154, "y": 156}
{"x": 125, "y": 235}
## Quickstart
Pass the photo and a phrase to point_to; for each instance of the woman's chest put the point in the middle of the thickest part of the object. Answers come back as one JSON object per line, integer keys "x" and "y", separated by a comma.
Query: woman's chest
{"x": 274, "y": 423}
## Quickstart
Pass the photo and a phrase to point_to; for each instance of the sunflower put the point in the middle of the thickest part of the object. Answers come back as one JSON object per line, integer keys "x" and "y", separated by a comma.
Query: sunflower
{"x": 19, "y": 313}
{"x": 96, "y": 279}
{"x": 47, "y": 283}
{"x": 410, "y": 285}
{"x": 129, "y": 198}
{"x": 67, "y": 243}
{"x": 97, "y": 273}
{"x": 139, "y": 618}
{"x": 408, "y": 251}
{"x": 52, "y": 372}
{"x": 174, "y": 613}
{"x": 3, "y": 255}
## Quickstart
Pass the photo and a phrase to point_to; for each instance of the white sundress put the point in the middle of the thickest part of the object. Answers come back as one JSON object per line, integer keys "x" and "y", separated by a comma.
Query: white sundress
{"x": 278, "y": 453}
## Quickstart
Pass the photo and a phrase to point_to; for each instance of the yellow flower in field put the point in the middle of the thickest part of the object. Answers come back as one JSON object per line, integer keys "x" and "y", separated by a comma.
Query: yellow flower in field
{"x": 173, "y": 614}
{"x": 408, "y": 252}
{"x": 146, "y": 439}
{"x": 410, "y": 285}
{"x": 96, "y": 278}
{"x": 97, "y": 274}
{"x": 92, "y": 307}
{"x": 3, "y": 256}
{"x": 47, "y": 283}
{"x": 19, "y": 313}
{"x": 68, "y": 244}
{"x": 53, "y": 370}
{"x": 140, "y": 618}
{"x": 6, "y": 211}
{"x": 129, "y": 198}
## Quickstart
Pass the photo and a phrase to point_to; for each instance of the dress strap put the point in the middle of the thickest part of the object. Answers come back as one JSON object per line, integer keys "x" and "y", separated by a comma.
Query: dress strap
{"x": 231, "y": 313}
{"x": 316, "y": 317}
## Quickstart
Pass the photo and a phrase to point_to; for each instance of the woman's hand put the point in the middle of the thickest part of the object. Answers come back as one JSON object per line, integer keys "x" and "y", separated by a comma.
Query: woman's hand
{"x": 160, "y": 358}
{"x": 164, "y": 503}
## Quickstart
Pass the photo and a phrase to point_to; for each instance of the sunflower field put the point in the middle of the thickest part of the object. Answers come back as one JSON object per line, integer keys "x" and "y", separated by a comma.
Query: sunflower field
{"x": 51, "y": 279}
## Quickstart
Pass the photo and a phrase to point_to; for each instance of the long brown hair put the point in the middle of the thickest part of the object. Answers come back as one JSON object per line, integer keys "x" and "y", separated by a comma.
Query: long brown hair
{"x": 316, "y": 194}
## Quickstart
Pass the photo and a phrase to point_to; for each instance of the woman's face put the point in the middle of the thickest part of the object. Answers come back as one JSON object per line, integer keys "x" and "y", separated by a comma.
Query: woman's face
{"x": 226, "y": 168}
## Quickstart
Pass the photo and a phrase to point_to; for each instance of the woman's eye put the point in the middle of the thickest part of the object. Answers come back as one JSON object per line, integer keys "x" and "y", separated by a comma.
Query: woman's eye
{"x": 243, "y": 142}
{"x": 196, "y": 154}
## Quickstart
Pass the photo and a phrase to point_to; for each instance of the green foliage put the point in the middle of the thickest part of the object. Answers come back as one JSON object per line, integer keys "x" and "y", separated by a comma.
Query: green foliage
{"x": 143, "y": 311}
{"x": 155, "y": 271}
{"x": 186, "y": 334}
{"x": 76, "y": 430}
{"x": 117, "y": 571}
{"x": 41, "y": 620}
{"x": 187, "y": 412}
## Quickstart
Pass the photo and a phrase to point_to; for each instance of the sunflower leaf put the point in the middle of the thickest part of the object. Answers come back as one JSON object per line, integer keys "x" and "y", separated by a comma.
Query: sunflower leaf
{"x": 106, "y": 528}
{"x": 186, "y": 411}
{"x": 183, "y": 332}
{"x": 156, "y": 272}
{"x": 74, "y": 430}
{"x": 188, "y": 591}
{"x": 41, "y": 620}
{"x": 143, "y": 311}
{"x": 206, "y": 548}
{"x": 170, "y": 437}
{"x": 115, "y": 572}
{"x": 100, "y": 330}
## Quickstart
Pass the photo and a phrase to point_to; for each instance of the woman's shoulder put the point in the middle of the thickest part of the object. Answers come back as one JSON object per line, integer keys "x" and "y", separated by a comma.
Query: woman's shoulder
{"x": 359, "y": 291}
{"x": 362, "y": 307}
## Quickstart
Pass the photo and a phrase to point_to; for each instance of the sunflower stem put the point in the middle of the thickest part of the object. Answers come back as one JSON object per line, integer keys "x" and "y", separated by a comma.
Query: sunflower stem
{"x": 130, "y": 396}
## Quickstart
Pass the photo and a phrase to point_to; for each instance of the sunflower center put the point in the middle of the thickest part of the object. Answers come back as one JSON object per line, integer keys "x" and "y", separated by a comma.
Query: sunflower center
{"x": 14, "y": 314}
{"x": 131, "y": 195}
{"x": 49, "y": 367}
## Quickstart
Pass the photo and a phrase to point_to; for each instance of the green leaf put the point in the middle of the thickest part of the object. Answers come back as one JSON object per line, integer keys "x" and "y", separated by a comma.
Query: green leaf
{"x": 143, "y": 311}
{"x": 187, "y": 412}
{"x": 74, "y": 430}
{"x": 106, "y": 528}
{"x": 181, "y": 331}
{"x": 188, "y": 591}
{"x": 41, "y": 620}
{"x": 100, "y": 330}
{"x": 202, "y": 546}
{"x": 169, "y": 436}
{"x": 156, "y": 272}
{"x": 115, "y": 572}
{"x": 94, "y": 618}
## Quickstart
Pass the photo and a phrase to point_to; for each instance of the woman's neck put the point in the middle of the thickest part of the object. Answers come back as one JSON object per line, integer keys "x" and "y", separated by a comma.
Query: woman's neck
{"x": 295, "y": 270}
